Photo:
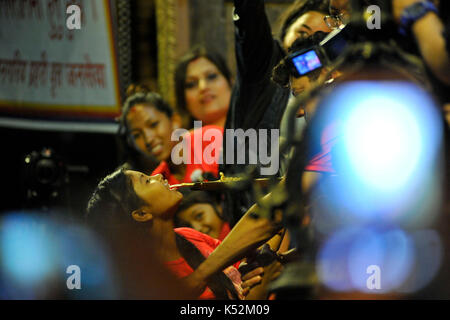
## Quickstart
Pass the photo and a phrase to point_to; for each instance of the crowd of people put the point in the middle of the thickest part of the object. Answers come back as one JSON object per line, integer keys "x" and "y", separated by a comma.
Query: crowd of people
{"x": 222, "y": 244}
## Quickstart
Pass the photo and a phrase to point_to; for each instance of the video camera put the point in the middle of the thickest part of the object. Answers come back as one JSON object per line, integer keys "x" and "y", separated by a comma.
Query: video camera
{"x": 336, "y": 42}
{"x": 46, "y": 178}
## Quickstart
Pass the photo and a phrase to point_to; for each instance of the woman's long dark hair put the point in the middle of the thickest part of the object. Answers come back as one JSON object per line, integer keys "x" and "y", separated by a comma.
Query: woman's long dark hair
{"x": 180, "y": 76}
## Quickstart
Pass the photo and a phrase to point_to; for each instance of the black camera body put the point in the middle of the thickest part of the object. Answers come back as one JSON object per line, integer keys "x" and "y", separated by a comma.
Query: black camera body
{"x": 306, "y": 61}
{"x": 46, "y": 179}
{"x": 45, "y": 175}
{"x": 336, "y": 42}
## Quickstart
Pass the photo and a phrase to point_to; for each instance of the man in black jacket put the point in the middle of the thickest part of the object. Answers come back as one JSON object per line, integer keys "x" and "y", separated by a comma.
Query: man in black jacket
{"x": 256, "y": 101}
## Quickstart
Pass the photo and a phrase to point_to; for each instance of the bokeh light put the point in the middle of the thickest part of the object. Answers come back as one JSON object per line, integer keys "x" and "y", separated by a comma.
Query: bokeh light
{"x": 36, "y": 252}
{"x": 349, "y": 260}
{"x": 27, "y": 249}
{"x": 389, "y": 139}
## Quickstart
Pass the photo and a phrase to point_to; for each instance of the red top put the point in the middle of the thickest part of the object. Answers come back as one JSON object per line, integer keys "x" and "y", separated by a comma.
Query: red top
{"x": 322, "y": 162}
{"x": 204, "y": 145}
{"x": 224, "y": 231}
{"x": 206, "y": 245}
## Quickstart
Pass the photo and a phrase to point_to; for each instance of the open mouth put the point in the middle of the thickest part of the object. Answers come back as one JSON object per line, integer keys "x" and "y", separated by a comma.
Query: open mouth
{"x": 157, "y": 149}
{"x": 207, "y": 99}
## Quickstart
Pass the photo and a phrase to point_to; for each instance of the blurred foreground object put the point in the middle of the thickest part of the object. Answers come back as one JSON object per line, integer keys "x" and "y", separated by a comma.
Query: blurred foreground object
{"x": 40, "y": 258}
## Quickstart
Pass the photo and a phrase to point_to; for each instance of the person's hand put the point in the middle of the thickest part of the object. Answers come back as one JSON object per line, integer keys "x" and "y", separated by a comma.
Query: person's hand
{"x": 271, "y": 272}
{"x": 399, "y": 5}
{"x": 252, "y": 279}
{"x": 259, "y": 283}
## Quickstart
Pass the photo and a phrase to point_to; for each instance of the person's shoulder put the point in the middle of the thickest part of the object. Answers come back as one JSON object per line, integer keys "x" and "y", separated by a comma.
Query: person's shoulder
{"x": 196, "y": 236}
{"x": 161, "y": 168}
{"x": 190, "y": 233}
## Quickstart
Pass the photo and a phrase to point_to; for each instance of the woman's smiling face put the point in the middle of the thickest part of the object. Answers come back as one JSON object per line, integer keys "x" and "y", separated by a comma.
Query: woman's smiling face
{"x": 151, "y": 131}
{"x": 207, "y": 91}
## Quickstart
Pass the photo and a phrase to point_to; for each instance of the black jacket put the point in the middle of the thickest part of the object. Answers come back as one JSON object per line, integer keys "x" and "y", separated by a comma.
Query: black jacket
{"x": 256, "y": 101}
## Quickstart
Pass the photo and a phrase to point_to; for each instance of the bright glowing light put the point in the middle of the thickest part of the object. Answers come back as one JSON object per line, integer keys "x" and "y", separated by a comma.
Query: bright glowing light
{"x": 388, "y": 137}
{"x": 27, "y": 249}
{"x": 383, "y": 142}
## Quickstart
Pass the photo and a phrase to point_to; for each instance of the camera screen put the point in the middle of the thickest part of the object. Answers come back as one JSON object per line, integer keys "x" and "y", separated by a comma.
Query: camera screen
{"x": 307, "y": 62}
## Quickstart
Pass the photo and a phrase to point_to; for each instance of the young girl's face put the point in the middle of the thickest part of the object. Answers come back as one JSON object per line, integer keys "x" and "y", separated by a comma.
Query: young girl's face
{"x": 207, "y": 91}
{"x": 155, "y": 191}
{"x": 151, "y": 130}
{"x": 203, "y": 217}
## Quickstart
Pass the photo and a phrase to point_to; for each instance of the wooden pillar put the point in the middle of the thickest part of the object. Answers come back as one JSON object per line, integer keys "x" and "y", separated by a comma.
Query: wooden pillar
{"x": 173, "y": 39}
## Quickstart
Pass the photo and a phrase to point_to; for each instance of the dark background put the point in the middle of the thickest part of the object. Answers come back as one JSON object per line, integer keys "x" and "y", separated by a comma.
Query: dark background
{"x": 97, "y": 152}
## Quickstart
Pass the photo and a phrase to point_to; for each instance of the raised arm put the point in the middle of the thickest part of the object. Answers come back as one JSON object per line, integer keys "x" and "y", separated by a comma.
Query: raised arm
{"x": 249, "y": 233}
{"x": 254, "y": 41}
{"x": 428, "y": 32}
{"x": 429, "y": 35}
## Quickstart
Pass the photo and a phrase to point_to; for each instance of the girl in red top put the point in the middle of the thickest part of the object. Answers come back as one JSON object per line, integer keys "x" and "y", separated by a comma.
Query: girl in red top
{"x": 147, "y": 123}
{"x": 200, "y": 211}
{"x": 148, "y": 204}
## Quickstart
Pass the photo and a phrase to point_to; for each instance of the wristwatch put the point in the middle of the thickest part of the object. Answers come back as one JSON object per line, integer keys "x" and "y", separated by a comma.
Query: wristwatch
{"x": 413, "y": 13}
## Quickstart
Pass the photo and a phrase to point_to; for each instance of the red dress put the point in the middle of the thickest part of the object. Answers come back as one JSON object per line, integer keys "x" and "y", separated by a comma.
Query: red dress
{"x": 197, "y": 142}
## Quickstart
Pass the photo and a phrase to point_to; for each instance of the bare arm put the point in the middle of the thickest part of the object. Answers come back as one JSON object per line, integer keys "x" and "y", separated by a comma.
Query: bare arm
{"x": 430, "y": 40}
{"x": 428, "y": 32}
{"x": 247, "y": 235}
